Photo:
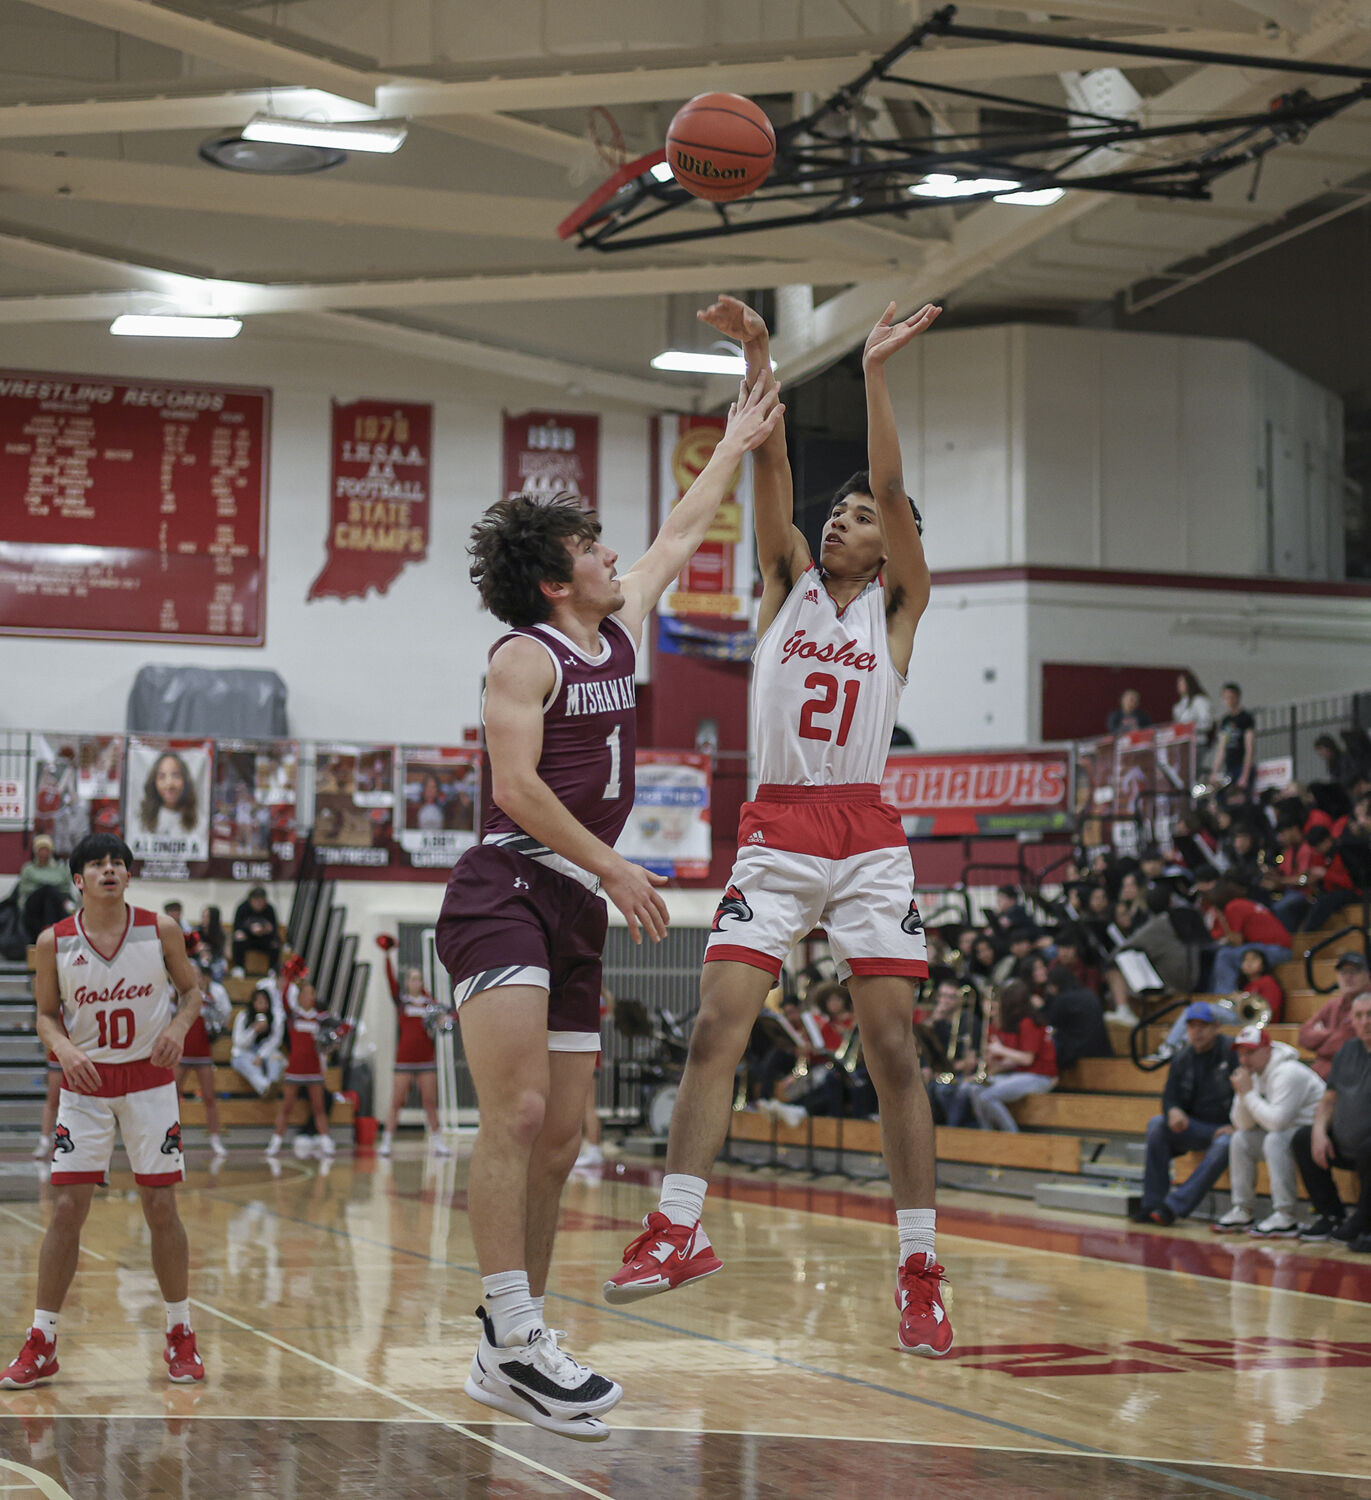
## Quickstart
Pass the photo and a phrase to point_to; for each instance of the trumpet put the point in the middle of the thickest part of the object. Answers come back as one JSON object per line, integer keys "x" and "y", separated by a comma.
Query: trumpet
{"x": 1250, "y": 1010}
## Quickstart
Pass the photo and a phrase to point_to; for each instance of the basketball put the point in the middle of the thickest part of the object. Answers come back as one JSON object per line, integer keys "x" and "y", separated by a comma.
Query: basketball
{"x": 720, "y": 146}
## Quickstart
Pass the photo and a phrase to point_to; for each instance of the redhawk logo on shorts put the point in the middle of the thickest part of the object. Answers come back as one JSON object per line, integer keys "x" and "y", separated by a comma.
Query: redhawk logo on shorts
{"x": 62, "y": 1141}
{"x": 172, "y": 1144}
{"x": 734, "y": 904}
{"x": 912, "y": 922}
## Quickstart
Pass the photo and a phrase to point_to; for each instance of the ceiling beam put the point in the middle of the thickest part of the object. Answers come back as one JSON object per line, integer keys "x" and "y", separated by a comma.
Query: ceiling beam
{"x": 216, "y": 43}
{"x": 538, "y": 369}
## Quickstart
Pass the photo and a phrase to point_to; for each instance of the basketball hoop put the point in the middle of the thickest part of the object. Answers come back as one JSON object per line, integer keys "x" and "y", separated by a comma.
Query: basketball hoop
{"x": 606, "y": 137}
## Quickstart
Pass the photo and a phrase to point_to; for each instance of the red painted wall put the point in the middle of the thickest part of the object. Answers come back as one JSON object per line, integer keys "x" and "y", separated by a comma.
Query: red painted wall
{"x": 1077, "y": 699}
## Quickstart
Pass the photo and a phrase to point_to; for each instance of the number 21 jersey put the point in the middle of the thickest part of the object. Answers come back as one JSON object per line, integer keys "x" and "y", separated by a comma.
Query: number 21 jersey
{"x": 113, "y": 1007}
{"x": 824, "y": 689}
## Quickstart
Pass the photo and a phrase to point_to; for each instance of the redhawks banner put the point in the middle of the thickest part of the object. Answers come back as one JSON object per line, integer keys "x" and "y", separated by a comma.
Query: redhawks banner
{"x": 987, "y": 791}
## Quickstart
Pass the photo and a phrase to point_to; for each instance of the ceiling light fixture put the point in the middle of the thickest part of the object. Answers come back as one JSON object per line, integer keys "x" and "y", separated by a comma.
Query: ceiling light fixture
{"x": 363, "y": 135}
{"x": 167, "y": 326}
{"x": 692, "y": 362}
{"x": 945, "y": 185}
{"x": 1033, "y": 197}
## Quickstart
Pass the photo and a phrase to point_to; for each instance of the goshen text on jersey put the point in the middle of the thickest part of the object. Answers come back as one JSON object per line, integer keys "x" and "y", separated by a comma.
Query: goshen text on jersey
{"x": 117, "y": 991}
{"x": 840, "y": 656}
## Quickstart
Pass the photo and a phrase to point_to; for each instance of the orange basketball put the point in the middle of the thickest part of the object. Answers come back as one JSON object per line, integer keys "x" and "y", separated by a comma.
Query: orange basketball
{"x": 720, "y": 146}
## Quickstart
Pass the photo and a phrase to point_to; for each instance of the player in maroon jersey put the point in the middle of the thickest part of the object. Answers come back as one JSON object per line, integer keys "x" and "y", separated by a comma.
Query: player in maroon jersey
{"x": 523, "y": 924}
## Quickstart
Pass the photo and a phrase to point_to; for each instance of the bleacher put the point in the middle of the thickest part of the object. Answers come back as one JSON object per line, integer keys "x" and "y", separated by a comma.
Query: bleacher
{"x": 1080, "y": 1146}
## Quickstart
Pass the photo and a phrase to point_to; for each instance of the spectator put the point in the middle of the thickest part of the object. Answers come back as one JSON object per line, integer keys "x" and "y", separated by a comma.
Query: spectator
{"x": 1235, "y": 746}
{"x": 1274, "y": 1094}
{"x": 1128, "y": 919}
{"x": 956, "y": 1030}
{"x": 1129, "y": 715}
{"x": 1341, "y": 1137}
{"x": 1237, "y": 924}
{"x": 1020, "y": 1060}
{"x": 1327, "y": 1031}
{"x": 197, "y": 1054}
{"x": 1322, "y": 884}
{"x": 984, "y": 959}
{"x": 177, "y": 912}
{"x": 213, "y": 941}
{"x": 1338, "y": 765}
{"x": 304, "y": 1068}
{"x": 1021, "y": 944}
{"x": 1162, "y": 940}
{"x": 1009, "y": 915}
{"x": 257, "y": 1034}
{"x": 1072, "y": 951}
{"x": 1196, "y": 1103}
{"x": 45, "y": 893}
{"x": 1076, "y": 1017}
{"x": 255, "y": 930}
{"x": 1192, "y": 706}
{"x": 1260, "y": 983}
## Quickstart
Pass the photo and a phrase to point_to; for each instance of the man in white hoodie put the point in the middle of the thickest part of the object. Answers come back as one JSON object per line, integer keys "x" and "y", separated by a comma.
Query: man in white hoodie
{"x": 1274, "y": 1093}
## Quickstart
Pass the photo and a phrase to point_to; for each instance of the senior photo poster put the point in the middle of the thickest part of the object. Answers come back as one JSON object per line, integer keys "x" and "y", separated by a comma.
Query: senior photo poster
{"x": 167, "y": 803}
{"x": 77, "y": 786}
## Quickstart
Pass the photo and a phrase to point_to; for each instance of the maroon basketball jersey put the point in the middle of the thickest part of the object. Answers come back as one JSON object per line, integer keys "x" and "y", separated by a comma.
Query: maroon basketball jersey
{"x": 590, "y": 735}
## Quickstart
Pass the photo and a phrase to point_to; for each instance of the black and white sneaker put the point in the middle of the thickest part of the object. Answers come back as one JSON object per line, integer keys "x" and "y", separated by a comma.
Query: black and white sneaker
{"x": 1319, "y": 1229}
{"x": 541, "y": 1383}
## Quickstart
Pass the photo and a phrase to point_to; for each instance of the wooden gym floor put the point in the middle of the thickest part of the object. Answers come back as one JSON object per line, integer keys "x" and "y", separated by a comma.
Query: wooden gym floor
{"x": 334, "y": 1313}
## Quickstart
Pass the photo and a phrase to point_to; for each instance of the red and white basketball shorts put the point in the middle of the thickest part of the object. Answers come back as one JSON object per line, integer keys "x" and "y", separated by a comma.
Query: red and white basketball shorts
{"x": 149, "y": 1121}
{"x": 833, "y": 857}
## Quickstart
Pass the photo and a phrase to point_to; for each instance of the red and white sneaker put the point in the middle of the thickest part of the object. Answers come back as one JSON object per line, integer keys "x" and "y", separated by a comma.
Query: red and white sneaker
{"x": 663, "y": 1257}
{"x": 37, "y": 1362}
{"x": 924, "y": 1325}
{"x": 184, "y": 1364}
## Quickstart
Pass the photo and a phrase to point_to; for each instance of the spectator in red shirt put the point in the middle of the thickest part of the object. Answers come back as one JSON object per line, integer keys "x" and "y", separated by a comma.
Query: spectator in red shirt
{"x": 1259, "y": 982}
{"x": 1020, "y": 1059}
{"x": 1322, "y": 885}
{"x": 1326, "y": 1031}
{"x": 1237, "y": 924}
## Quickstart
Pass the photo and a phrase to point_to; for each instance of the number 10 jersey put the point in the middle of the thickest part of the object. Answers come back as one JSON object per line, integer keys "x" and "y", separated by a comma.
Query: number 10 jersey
{"x": 114, "y": 1007}
{"x": 824, "y": 689}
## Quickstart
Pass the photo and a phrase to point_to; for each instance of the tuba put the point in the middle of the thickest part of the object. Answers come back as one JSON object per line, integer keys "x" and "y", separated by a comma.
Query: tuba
{"x": 1249, "y": 1010}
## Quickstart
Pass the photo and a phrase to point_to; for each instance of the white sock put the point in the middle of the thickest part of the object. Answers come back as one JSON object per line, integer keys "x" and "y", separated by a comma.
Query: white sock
{"x": 538, "y": 1307}
{"x": 917, "y": 1226}
{"x": 45, "y": 1322}
{"x": 683, "y": 1198}
{"x": 511, "y": 1307}
{"x": 178, "y": 1315}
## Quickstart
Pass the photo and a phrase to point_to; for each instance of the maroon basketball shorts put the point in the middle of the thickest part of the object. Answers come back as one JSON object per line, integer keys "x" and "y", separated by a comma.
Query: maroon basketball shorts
{"x": 508, "y": 920}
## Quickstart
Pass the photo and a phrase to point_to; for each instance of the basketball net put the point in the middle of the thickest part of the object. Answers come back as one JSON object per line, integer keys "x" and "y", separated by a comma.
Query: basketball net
{"x": 605, "y": 150}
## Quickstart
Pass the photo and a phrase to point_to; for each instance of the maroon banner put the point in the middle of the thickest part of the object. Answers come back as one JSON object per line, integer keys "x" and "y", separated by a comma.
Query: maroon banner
{"x": 548, "y": 451}
{"x": 132, "y": 509}
{"x": 986, "y": 791}
{"x": 381, "y": 454}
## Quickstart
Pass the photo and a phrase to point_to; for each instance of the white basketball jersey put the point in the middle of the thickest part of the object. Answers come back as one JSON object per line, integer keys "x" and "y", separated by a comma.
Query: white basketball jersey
{"x": 824, "y": 689}
{"x": 113, "y": 1007}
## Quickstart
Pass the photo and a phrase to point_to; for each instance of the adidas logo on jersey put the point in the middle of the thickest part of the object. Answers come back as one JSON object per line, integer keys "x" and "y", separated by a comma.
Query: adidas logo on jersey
{"x": 756, "y": 837}
{"x": 79, "y": 959}
{"x": 811, "y": 596}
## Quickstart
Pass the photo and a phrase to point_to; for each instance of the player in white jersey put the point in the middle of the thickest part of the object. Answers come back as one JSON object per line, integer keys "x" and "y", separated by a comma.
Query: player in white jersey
{"x": 817, "y": 846}
{"x": 103, "y": 984}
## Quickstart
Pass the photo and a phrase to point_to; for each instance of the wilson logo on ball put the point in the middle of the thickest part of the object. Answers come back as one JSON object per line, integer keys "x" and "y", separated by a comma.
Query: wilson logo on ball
{"x": 701, "y": 168}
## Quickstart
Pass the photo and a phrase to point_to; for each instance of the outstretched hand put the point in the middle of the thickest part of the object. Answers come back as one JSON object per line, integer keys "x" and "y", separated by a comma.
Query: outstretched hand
{"x": 753, "y": 417}
{"x": 733, "y": 319}
{"x": 888, "y": 336}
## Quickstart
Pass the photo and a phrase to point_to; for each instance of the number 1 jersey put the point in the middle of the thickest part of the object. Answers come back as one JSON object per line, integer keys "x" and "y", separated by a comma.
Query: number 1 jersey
{"x": 824, "y": 689}
{"x": 114, "y": 1007}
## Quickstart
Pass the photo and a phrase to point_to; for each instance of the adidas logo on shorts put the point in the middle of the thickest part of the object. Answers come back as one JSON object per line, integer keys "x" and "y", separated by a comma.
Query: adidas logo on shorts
{"x": 756, "y": 837}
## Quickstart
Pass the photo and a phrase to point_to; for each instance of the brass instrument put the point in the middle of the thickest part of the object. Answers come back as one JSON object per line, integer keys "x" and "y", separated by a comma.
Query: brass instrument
{"x": 1250, "y": 1010}
{"x": 848, "y": 1057}
{"x": 948, "y": 1075}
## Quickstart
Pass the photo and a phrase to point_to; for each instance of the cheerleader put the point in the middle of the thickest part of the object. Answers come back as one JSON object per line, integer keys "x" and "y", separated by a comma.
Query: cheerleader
{"x": 304, "y": 1067}
{"x": 415, "y": 1060}
{"x": 197, "y": 1057}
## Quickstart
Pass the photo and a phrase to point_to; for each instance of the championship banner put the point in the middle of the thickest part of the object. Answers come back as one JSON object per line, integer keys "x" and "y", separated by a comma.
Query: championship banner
{"x": 717, "y": 581}
{"x": 381, "y": 458}
{"x": 77, "y": 786}
{"x": 547, "y": 452}
{"x": 439, "y": 794}
{"x": 166, "y": 805}
{"x": 987, "y": 791}
{"x": 668, "y": 830}
{"x": 252, "y": 809}
{"x": 354, "y": 804}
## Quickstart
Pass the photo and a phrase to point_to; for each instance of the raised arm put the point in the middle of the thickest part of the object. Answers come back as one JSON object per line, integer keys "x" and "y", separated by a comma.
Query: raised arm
{"x": 521, "y": 677}
{"x": 751, "y": 419}
{"x": 906, "y": 570}
{"x": 782, "y": 552}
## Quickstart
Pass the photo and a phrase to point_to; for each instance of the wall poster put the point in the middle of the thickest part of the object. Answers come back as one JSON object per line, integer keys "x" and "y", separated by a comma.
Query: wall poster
{"x": 252, "y": 817}
{"x": 439, "y": 796}
{"x": 167, "y": 805}
{"x": 354, "y": 804}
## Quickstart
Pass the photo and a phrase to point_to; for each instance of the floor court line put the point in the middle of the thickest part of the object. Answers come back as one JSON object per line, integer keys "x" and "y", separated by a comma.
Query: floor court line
{"x": 48, "y": 1488}
{"x": 450, "y": 1423}
{"x": 43, "y": 1229}
{"x": 945, "y": 1407}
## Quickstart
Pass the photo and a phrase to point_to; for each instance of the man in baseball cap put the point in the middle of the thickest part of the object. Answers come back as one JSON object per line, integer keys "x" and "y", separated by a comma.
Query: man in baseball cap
{"x": 1195, "y": 1110}
{"x": 45, "y": 891}
{"x": 1324, "y": 1033}
{"x": 1274, "y": 1094}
